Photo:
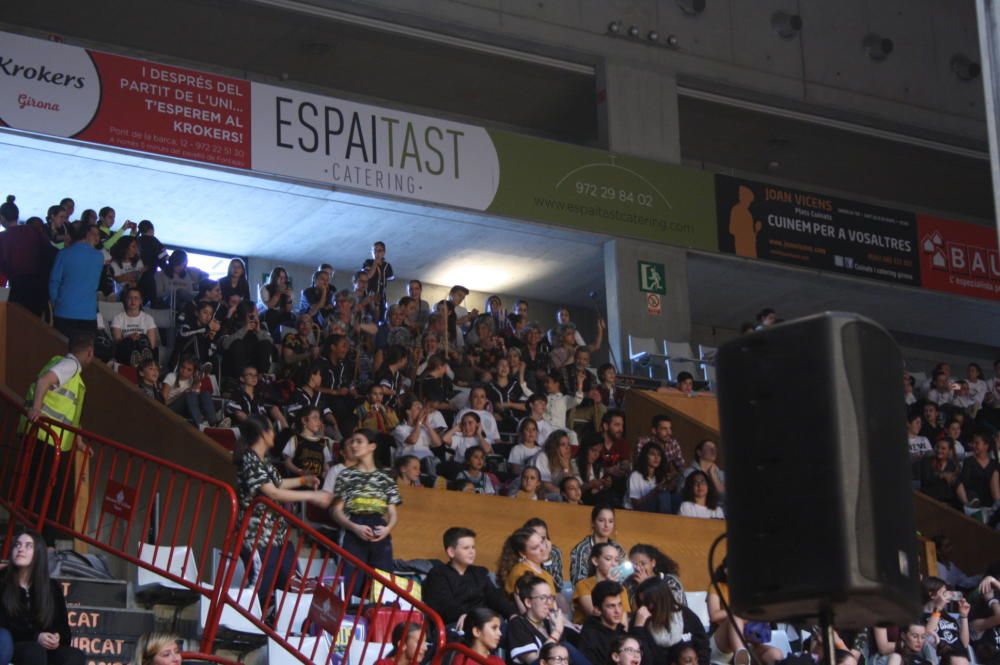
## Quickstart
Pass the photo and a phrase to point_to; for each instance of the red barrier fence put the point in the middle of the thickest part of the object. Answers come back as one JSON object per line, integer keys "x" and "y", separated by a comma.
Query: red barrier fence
{"x": 311, "y": 598}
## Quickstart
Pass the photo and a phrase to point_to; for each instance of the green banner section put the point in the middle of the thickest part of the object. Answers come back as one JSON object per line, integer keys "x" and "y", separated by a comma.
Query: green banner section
{"x": 592, "y": 190}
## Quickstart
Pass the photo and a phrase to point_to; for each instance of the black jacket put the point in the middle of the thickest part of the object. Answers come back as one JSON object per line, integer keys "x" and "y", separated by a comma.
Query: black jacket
{"x": 694, "y": 632}
{"x": 451, "y": 595}
{"x": 595, "y": 640}
{"x": 24, "y": 627}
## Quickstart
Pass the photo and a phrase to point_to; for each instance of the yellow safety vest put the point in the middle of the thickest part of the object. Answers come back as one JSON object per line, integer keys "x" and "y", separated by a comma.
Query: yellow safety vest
{"x": 63, "y": 403}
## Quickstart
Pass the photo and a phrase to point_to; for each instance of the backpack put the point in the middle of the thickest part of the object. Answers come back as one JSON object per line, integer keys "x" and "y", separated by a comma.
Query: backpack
{"x": 67, "y": 563}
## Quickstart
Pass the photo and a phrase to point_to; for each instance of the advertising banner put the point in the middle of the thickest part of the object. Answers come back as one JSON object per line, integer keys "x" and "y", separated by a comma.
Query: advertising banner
{"x": 957, "y": 257}
{"x": 76, "y": 93}
{"x": 593, "y": 190}
{"x": 758, "y": 220}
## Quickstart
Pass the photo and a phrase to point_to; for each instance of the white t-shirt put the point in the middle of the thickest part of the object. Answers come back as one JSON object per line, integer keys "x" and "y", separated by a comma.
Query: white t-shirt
{"x": 130, "y": 325}
{"x": 460, "y": 444}
{"x": 422, "y": 448}
{"x": 66, "y": 368}
{"x": 522, "y": 454}
{"x": 125, "y": 267}
{"x": 978, "y": 390}
{"x": 939, "y": 397}
{"x": 638, "y": 487}
{"x": 331, "y": 477}
{"x": 919, "y": 446}
{"x": 541, "y": 462}
{"x": 691, "y": 509}
{"x": 490, "y": 429}
{"x": 174, "y": 390}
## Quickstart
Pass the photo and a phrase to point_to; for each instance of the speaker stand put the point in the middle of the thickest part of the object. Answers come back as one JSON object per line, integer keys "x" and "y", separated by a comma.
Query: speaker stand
{"x": 829, "y": 637}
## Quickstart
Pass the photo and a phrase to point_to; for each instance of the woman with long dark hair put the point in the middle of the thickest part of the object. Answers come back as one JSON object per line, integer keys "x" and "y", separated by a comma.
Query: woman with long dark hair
{"x": 663, "y": 624}
{"x": 700, "y": 498}
{"x": 33, "y": 609}
{"x": 235, "y": 282}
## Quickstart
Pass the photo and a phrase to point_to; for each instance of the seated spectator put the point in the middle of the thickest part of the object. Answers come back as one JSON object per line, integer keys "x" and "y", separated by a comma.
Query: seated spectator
{"x": 726, "y": 643}
{"x": 766, "y": 318}
{"x": 600, "y": 631}
{"x": 529, "y": 486}
{"x": 910, "y": 648}
{"x": 597, "y": 484}
{"x": 176, "y": 285}
{"x": 235, "y": 282}
{"x": 183, "y": 395}
{"x": 612, "y": 396}
{"x": 475, "y": 472}
{"x": 650, "y": 563}
{"x": 409, "y": 645}
{"x": 571, "y": 491}
{"x": 478, "y": 404}
{"x": 939, "y": 473}
{"x": 461, "y": 485}
{"x": 541, "y": 623}
{"x": 963, "y": 400}
{"x": 909, "y": 384}
{"x": 706, "y": 454}
{"x": 157, "y": 649}
{"x": 308, "y": 452}
{"x": 555, "y": 461}
{"x": 390, "y": 375}
{"x": 979, "y": 482}
{"x": 301, "y": 347}
{"x": 373, "y": 415}
{"x": 948, "y": 634}
{"x": 338, "y": 382}
{"x": 662, "y": 624}
{"x": 948, "y": 570}
{"x": 700, "y": 498}
{"x": 392, "y": 332}
{"x": 467, "y": 432}
{"x": 662, "y": 434}
{"x": 249, "y": 345}
{"x": 149, "y": 379}
{"x": 134, "y": 331}
{"x": 985, "y": 624}
{"x": 406, "y": 471}
{"x": 316, "y": 301}
{"x": 685, "y": 384}
{"x": 553, "y": 562}
{"x": 919, "y": 445}
{"x": 604, "y": 561}
{"x": 455, "y": 588}
{"x": 434, "y": 386}
{"x": 527, "y": 446}
{"x": 615, "y": 453}
{"x": 563, "y": 320}
{"x": 523, "y": 552}
{"x": 557, "y": 405}
{"x": 208, "y": 291}
{"x": 248, "y": 401}
{"x": 648, "y": 486}
{"x": 537, "y": 404}
{"x": 197, "y": 338}
{"x": 126, "y": 266}
{"x": 414, "y": 436}
{"x": 277, "y": 284}
{"x": 978, "y": 387}
{"x": 34, "y": 608}
{"x": 932, "y": 421}
{"x": 535, "y": 353}
{"x": 482, "y": 635}
{"x": 307, "y": 394}
{"x": 602, "y": 522}
{"x": 626, "y": 650}
{"x": 941, "y": 391}
{"x": 564, "y": 346}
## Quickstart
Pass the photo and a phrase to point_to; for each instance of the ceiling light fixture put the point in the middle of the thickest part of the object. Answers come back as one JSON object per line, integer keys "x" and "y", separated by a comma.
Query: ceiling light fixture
{"x": 653, "y": 36}
{"x": 614, "y": 27}
{"x": 633, "y": 31}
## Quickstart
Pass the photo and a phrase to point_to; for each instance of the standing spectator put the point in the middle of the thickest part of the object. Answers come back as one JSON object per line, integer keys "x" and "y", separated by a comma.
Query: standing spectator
{"x": 602, "y": 521}
{"x": 415, "y": 289}
{"x": 308, "y": 452}
{"x": 57, "y": 226}
{"x": 26, "y": 257}
{"x": 364, "y": 505}
{"x": 455, "y": 588}
{"x": 134, "y": 331}
{"x": 266, "y": 533}
{"x": 600, "y": 632}
{"x": 235, "y": 282}
{"x": 337, "y": 385}
{"x": 33, "y": 608}
{"x": 557, "y": 405}
{"x": 700, "y": 499}
{"x": 154, "y": 256}
{"x": 379, "y": 275}
{"x": 74, "y": 281}
{"x": 126, "y": 266}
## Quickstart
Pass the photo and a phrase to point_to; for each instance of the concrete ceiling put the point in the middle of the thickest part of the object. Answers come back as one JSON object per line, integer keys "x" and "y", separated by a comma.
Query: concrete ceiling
{"x": 726, "y": 291}
{"x": 244, "y": 215}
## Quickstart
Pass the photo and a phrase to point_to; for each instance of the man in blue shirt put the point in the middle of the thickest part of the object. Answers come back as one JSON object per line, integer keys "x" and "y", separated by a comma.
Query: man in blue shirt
{"x": 74, "y": 280}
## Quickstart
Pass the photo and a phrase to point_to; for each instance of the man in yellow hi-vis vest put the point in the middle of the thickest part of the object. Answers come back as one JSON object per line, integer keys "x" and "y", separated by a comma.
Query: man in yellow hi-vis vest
{"x": 58, "y": 395}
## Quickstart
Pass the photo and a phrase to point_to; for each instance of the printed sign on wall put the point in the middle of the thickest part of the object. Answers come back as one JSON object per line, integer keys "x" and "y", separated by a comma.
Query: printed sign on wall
{"x": 957, "y": 257}
{"x": 759, "y": 220}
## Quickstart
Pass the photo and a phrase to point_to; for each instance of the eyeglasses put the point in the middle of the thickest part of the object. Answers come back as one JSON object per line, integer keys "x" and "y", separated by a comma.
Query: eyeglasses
{"x": 631, "y": 650}
{"x": 542, "y": 597}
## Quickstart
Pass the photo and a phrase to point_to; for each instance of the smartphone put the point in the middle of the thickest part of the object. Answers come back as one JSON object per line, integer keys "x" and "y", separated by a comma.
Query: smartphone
{"x": 953, "y": 596}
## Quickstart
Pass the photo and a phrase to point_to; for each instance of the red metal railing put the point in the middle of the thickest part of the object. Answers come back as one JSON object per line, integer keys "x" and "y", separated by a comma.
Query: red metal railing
{"x": 333, "y": 607}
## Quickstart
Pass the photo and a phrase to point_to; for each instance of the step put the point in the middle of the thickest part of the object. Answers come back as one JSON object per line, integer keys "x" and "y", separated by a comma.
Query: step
{"x": 96, "y": 593}
{"x": 108, "y": 635}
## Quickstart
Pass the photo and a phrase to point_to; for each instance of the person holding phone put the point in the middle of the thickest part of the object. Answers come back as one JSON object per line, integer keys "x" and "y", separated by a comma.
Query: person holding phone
{"x": 946, "y": 633}
{"x": 539, "y": 625}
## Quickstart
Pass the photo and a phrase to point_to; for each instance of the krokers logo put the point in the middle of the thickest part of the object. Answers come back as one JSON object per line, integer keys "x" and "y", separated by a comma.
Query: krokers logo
{"x": 46, "y": 87}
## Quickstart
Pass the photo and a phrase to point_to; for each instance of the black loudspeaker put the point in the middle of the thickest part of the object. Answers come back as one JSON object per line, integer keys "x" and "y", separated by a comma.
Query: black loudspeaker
{"x": 819, "y": 500}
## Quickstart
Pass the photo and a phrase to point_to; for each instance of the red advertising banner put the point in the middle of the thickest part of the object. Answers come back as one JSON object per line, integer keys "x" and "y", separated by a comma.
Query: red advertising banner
{"x": 957, "y": 257}
{"x": 72, "y": 92}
